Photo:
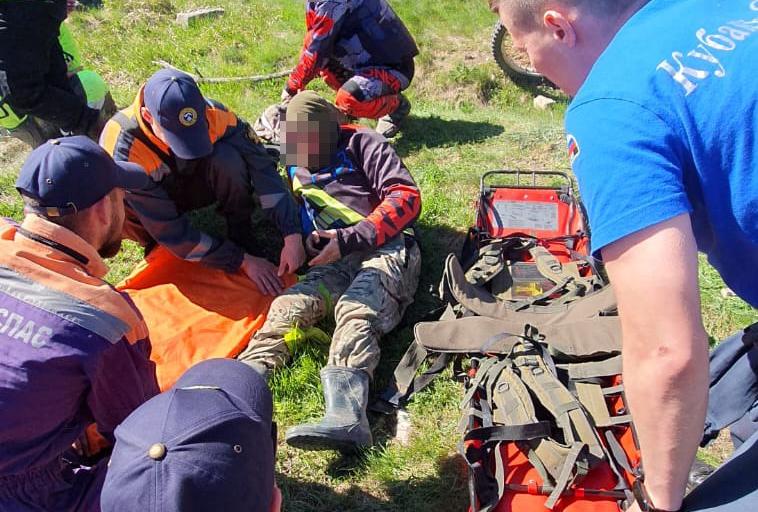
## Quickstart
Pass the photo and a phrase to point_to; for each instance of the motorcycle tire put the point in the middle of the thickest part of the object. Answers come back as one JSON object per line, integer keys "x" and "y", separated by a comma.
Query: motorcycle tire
{"x": 515, "y": 66}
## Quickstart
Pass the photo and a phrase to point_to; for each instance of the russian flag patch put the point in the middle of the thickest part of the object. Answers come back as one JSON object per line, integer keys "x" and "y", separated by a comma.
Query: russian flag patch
{"x": 573, "y": 148}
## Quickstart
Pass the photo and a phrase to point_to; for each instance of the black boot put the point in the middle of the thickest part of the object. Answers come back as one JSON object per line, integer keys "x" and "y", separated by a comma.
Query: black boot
{"x": 33, "y": 132}
{"x": 344, "y": 426}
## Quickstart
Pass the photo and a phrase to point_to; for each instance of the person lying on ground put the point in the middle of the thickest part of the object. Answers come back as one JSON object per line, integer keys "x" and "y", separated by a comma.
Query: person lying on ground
{"x": 34, "y": 77}
{"x": 73, "y": 350}
{"x": 364, "y": 52}
{"x": 661, "y": 136}
{"x": 208, "y": 443}
{"x": 198, "y": 152}
{"x": 359, "y": 203}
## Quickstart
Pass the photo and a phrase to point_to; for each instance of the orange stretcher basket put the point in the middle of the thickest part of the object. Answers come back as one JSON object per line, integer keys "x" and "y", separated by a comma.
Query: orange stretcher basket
{"x": 532, "y": 208}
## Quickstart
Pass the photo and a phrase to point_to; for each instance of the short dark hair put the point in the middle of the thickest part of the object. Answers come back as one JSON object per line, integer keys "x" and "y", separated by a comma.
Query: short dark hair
{"x": 528, "y": 11}
{"x": 72, "y": 222}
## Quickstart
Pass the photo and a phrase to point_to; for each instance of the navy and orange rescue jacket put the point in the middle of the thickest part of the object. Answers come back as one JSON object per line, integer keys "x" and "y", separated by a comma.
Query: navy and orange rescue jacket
{"x": 127, "y": 137}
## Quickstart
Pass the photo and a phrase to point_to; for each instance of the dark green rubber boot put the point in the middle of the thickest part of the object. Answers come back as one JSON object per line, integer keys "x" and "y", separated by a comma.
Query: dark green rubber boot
{"x": 344, "y": 426}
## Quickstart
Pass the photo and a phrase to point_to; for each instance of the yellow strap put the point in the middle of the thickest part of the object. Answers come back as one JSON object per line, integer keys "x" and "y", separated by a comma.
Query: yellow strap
{"x": 296, "y": 338}
{"x": 327, "y": 209}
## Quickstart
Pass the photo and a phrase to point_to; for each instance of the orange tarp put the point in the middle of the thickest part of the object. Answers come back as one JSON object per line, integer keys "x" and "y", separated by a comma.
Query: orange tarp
{"x": 193, "y": 312}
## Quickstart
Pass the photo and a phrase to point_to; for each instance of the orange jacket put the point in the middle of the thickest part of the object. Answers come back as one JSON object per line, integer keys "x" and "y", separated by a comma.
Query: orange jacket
{"x": 74, "y": 350}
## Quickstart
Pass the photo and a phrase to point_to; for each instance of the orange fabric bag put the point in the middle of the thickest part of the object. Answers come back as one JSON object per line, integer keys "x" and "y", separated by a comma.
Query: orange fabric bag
{"x": 194, "y": 312}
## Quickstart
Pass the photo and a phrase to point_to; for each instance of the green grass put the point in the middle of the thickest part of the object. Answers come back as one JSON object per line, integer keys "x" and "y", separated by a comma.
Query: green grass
{"x": 466, "y": 119}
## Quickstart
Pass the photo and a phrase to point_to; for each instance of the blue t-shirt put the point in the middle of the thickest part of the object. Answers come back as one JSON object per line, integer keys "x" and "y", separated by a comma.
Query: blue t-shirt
{"x": 666, "y": 123}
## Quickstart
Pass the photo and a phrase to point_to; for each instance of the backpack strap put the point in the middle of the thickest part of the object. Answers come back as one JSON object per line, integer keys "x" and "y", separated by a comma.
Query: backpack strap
{"x": 457, "y": 291}
{"x": 551, "y": 268}
{"x": 406, "y": 381}
{"x": 514, "y": 406}
{"x": 574, "y": 466}
{"x": 491, "y": 258}
{"x": 555, "y": 397}
{"x": 593, "y": 397}
{"x": 584, "y": 448}
{"x": 592, "y": 369}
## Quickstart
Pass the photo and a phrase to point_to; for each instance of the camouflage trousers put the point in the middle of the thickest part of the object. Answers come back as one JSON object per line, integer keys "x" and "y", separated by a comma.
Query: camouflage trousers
{"x": 369, "y": 291}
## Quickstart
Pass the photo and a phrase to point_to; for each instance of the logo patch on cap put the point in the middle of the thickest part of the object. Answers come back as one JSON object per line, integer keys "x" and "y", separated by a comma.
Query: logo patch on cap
{"x": 188, "y": 116}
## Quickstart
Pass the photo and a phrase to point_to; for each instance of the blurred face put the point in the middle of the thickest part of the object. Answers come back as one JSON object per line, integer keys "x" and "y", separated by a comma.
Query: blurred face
{"x": 306, "y": 144}
{"x": 112, "y": 236}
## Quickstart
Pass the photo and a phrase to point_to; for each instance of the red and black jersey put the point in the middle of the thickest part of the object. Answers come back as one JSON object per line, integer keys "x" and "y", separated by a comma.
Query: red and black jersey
{"x": 368, "y": 177}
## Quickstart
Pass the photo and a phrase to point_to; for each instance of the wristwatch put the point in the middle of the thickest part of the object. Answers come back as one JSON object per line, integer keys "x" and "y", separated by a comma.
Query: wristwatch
{"x": 643, "y": 499}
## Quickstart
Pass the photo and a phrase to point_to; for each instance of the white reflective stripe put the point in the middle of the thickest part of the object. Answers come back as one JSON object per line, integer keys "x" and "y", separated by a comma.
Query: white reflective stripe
{"x": 269, "y": 201}
{"x": 62, "y": 305}
{"x": 201, "y": 249}
{"x": 161, "y": 172}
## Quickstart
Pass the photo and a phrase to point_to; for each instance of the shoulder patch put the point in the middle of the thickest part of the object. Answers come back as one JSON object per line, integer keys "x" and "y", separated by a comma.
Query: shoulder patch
{"x": 573, "y": 148}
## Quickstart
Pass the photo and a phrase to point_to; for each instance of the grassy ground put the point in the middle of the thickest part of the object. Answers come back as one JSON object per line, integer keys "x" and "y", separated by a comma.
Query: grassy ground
{"x": 466, "y": 119}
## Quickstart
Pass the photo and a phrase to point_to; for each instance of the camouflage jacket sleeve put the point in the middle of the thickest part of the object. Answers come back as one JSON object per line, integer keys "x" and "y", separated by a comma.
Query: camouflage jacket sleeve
{"x": 323, "y": 20}
{"x": 158, "y": 214}
{"x": 399, "y": 197}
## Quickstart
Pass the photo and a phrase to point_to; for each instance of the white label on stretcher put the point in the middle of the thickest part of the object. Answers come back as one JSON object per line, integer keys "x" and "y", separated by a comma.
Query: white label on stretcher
{"x": 527, "y": 215}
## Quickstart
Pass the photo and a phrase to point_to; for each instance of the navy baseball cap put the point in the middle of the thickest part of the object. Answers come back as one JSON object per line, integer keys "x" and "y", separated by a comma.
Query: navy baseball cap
{"x": 176, "y": 103}
{"x": 70, "y": 174}
{"x": 208, "y": 443}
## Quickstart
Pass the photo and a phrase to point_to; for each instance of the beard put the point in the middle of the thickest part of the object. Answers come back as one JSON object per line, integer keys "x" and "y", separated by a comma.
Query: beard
{"x": 112, "y": 244}
{"x": 110, "y": 248}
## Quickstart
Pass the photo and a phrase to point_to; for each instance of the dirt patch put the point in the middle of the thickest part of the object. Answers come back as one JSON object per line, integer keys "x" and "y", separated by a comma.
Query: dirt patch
{"x": 147, "y": 12}
{"x": 720, "y": 449}
{"x": 12, "y": 154}
{"x": 441, "y": 69}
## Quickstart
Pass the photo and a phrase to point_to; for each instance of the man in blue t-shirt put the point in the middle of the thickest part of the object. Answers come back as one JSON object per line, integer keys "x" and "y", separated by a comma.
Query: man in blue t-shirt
{"x": 661, "y": 133}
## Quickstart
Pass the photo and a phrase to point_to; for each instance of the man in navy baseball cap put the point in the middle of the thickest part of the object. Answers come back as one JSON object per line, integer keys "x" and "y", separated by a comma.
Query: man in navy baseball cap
{"x": 208, "y": 443}
{"x": 75, "y": 351}
{"x": 175, "y": 109}
{"x": 64, "y": 178}
{"x": 200, "y": 153}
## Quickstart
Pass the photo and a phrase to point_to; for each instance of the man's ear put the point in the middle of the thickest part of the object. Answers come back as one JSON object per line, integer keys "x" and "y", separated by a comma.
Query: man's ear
{"x": 101, "y": 210}
{"x": 561, "y": 27}
{"x": 146, "y": 115}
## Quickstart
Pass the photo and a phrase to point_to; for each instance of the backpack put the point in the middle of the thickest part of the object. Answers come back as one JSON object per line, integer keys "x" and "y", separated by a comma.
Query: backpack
{"x": 531, "y": 327}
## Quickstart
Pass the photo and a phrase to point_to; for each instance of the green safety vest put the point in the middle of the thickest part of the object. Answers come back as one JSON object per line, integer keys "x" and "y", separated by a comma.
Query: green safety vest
{"x": 324, "y": 211}
{"x": 321, "y": 209}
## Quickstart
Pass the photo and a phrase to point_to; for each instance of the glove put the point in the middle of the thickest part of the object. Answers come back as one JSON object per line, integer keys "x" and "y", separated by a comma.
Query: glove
{"x": 286, "y": 97}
